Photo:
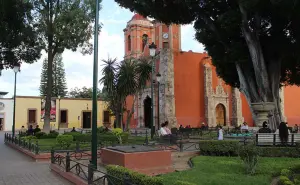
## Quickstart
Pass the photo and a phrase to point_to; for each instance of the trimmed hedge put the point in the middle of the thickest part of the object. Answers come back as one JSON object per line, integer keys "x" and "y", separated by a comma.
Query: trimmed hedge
{"x": 219, "y": 148}
{"x": 102, "y": 138}
{"x": 279, "y": 152}
{"x": 43, "y": 135}
{"x": 135, "y": 177}
{"x": 231, "y": 148}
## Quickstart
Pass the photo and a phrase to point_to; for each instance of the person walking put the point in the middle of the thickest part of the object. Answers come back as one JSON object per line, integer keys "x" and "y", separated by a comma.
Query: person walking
{"x": 220, "y": 133}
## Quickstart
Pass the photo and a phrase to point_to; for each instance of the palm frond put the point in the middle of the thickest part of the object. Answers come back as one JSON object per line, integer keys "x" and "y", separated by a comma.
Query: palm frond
{"x": 127, "y": 77}
{"x": 109, "y": 72}
{"x": 144, "y": 70}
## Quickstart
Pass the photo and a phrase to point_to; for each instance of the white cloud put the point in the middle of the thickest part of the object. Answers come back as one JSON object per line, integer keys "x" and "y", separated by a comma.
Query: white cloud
{"x": 188, "y": 39}
{"x": 79, "y": 68}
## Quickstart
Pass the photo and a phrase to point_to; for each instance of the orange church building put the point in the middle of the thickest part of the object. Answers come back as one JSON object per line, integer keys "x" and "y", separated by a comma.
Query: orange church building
{"x": 190, "y": 91}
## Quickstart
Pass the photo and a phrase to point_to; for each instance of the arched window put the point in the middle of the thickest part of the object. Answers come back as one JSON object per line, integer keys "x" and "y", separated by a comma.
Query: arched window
{"x": 144, "y": 41}
{"x": 129, "y": 43}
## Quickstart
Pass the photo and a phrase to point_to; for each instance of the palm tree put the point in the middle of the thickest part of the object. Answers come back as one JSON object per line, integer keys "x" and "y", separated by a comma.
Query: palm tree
{"x": 124, "y": 79}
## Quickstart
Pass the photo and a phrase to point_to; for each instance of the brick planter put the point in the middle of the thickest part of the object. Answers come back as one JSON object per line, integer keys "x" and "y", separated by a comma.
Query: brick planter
{"x": 37, "y": 158}
{"x": 149, "y": 163}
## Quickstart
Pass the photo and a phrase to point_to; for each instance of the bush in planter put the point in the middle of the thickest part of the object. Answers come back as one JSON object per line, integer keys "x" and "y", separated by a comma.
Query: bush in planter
{"x": 219, "y": 148}
{"x": 136, "y": 178}
{"x": 64, "y": 141}
{"x": 249, "y": 155}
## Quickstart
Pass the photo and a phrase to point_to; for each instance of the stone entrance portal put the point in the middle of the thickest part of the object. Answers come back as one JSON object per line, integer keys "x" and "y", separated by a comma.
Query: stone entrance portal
{"x": 217, "y": 102}
{"x": 220, "y": 114}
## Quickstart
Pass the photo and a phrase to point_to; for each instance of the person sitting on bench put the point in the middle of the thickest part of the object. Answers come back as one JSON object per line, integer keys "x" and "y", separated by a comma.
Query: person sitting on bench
{"x": 164, "y": 130}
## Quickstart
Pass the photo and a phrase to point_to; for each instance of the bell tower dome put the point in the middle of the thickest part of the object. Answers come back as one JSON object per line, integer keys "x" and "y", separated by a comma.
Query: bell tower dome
{"x": 138, "y": 33}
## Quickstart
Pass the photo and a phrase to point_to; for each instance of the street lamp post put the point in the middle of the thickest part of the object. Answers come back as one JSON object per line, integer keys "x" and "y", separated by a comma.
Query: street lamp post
{"x": 95, "y": 87}
{"x": 152, "y": 48}
{"x": 16, "y": 70}
{"x": 158, "y": 76}
{"x": 59, "y": 113}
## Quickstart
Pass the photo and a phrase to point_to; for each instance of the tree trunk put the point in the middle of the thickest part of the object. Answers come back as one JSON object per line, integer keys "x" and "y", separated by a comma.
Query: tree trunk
{"x": 267, "y": 77}
{"x": 257, "y": 57}
{"x": 46, "y": 128}
{"x": 51, "y": 54}
{"x": 247, "y": 87}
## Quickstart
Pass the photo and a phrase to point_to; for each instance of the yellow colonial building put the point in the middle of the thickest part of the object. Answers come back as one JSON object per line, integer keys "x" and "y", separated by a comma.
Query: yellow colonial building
{"x": 65, "y": 112}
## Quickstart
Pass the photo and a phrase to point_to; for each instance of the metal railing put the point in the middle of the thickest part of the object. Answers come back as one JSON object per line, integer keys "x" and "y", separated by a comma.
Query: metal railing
{"x": 86, "y": 171}
{"x": 22, "y": 143}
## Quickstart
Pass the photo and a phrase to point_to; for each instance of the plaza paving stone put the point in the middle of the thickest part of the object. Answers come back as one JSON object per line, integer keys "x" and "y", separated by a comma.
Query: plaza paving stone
{"x": 18, "y": 169}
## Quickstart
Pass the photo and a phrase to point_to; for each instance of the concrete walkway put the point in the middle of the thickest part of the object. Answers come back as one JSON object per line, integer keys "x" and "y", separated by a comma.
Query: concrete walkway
{"x": 18, "y": 169}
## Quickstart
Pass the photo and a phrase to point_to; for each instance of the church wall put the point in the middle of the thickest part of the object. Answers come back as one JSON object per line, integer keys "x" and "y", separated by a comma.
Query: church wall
{"x": 292, "y": 104}
{"x": 189, "y": 88}
{"x": 133, "y": 122}
{"x": 246, "y": 111}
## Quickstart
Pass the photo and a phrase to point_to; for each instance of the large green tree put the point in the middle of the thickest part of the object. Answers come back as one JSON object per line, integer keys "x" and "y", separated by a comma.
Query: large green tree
{"x": 59, "y": 86}
{"x": 121, "y": 80}
{"x": 254, "y": 44}
{"x": 84, "y": 92}
{"x": 18, "y": 38}
{"x": 63, "y": 24}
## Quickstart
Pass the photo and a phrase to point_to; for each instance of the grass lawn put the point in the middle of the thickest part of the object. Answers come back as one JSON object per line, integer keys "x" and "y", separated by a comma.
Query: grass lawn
{"x": 230, "y": 171}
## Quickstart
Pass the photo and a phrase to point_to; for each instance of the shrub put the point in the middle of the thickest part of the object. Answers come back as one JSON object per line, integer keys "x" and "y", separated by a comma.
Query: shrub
{"x": 76, "y": 135}
{"x": 52, "y": 134}
{"x": 285, "y": 180}
{"x": 102, "y": 129}
{"x": 183, "y": 183}
{"x": 27, "y": 138}
{"x": 118, "y": 133}
{"x": 249, "y": 155}
{"x": 219, "y": 148}
{"x": 40, "y": 134}
{"x": 136, "y": 178}
{"x": 286, "y": 172}
{"x": 64, "y": 141}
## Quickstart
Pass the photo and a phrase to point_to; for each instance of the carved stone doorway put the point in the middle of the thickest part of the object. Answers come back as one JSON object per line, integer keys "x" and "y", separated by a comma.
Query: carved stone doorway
{"x": 147, "y": 112}
{"x": 220, "y": 115}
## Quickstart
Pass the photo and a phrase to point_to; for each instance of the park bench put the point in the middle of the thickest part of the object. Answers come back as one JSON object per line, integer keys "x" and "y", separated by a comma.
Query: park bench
{"x": 267, "y": 139}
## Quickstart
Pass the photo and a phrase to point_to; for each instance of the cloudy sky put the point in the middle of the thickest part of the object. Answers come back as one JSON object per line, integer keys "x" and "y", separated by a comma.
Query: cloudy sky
{"x": 78, "y": 67}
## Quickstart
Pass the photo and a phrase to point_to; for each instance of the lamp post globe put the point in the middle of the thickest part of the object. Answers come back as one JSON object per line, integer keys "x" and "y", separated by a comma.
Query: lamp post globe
{"x": 152, "y": 48}
{"x": 16, "y": 68}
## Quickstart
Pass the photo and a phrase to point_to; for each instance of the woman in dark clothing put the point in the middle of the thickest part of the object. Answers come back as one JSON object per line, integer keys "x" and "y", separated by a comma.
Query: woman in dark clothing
{"x": 283, "y": 133}
{"x": 30, "y": 130}
{"x": 265, "y": 128}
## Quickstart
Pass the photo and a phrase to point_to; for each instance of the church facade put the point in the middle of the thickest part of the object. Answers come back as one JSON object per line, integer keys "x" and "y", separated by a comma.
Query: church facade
{"x": 189, "y": 92}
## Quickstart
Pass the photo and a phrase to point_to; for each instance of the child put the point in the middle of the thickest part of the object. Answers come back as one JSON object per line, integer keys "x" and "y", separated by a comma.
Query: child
{"x": 220, "y": 133}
